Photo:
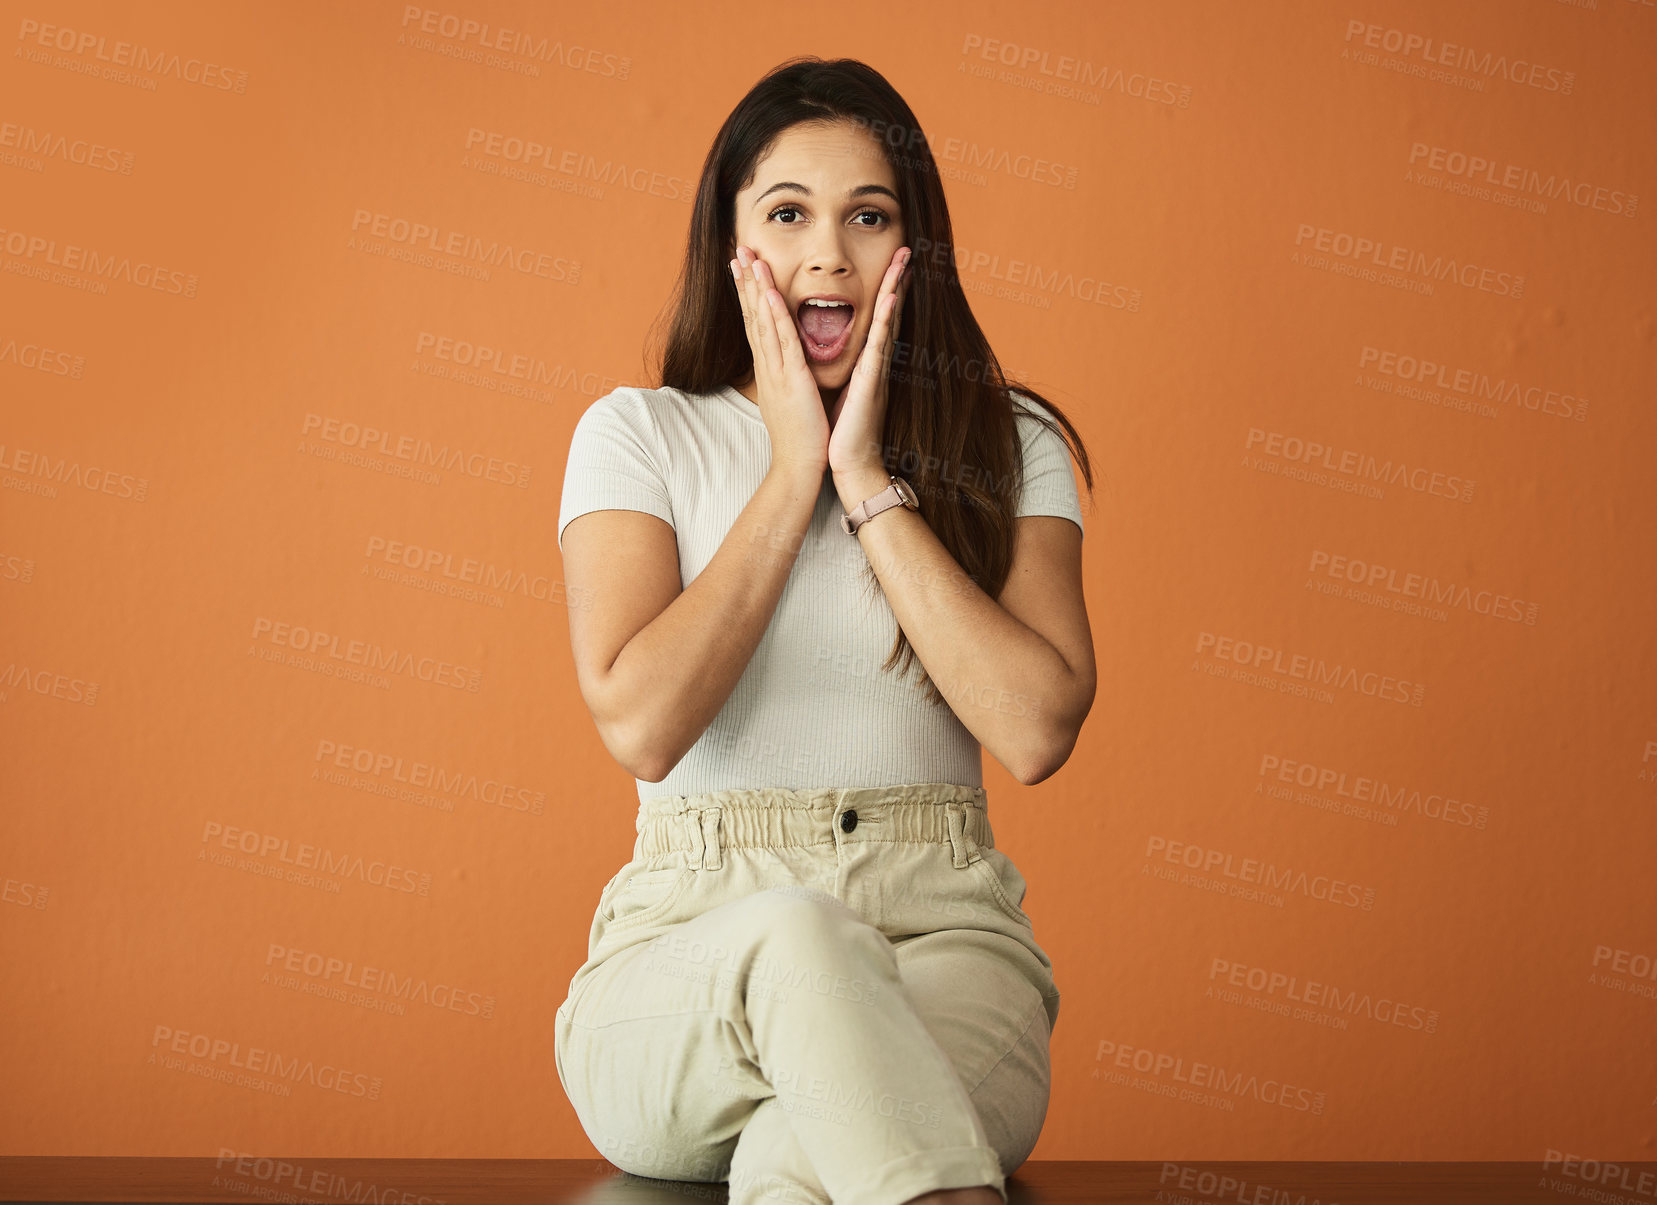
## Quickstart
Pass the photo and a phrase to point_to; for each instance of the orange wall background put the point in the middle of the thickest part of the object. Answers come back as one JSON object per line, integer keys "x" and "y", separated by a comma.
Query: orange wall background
{"x": 1353, "y": 305}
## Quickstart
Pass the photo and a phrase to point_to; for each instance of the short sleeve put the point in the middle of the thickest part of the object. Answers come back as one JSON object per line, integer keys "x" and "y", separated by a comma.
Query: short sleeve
{"x": 614, "y": 462}
{"x": 1049, "y": 485}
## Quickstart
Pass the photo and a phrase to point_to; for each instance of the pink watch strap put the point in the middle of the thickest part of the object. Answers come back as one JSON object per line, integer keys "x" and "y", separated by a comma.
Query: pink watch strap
{"x": 867, "y": 509}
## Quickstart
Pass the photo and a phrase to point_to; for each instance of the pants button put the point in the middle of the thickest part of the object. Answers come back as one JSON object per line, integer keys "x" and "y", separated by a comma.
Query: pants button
{"x": 848, "y": 820}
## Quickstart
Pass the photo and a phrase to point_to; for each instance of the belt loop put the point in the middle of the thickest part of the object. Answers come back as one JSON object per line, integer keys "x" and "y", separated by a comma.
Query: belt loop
{"x": 965, "y": 850}
{"x": 709, "y": 832}
{"x": 696, "y": 846}
{"x": 978, "y": 827}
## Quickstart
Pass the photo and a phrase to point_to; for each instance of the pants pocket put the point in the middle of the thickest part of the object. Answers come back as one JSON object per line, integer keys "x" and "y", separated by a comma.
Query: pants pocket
{"x": 1005, "y": 884}
{"x": 638, "y": 894}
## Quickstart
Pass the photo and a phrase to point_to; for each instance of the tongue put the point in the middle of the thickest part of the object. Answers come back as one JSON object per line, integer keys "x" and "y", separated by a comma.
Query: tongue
{"x": 825, "y": 323}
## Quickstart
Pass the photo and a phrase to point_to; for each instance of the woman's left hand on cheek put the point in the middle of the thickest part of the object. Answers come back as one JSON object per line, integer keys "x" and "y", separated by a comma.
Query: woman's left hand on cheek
{"x": 859, "y": 417}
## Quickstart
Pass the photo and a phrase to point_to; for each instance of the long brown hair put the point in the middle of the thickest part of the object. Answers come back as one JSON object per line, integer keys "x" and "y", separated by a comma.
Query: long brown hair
{"x": 950, "y": 428}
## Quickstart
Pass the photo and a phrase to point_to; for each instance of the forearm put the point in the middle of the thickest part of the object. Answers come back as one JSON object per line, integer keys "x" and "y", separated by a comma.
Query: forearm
{"x": 673, "y": 677}
{"x": 1008, "y": 685}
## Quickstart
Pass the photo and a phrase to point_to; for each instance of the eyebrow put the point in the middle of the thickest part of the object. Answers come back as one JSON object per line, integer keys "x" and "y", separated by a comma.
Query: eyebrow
{"x": 861, "y": 190}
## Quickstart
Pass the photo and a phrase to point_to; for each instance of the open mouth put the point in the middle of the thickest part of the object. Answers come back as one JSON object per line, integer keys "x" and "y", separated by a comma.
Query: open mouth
{"x": 825, "y": 329}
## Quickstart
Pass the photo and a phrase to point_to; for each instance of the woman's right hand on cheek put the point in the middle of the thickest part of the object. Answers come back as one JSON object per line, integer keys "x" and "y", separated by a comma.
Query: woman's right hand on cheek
{"x": 790, "y": 404}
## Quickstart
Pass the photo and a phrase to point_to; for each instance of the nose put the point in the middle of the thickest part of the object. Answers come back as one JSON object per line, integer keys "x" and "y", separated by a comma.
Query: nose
{"x": 826, "y": 255}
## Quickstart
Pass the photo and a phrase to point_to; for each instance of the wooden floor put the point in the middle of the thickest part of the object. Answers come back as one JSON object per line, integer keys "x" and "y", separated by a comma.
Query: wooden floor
{"x": 594, "y": 1182}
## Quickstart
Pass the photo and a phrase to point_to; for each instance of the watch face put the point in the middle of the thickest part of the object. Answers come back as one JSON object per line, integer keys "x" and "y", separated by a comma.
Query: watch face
{"x": 907, "y": 493}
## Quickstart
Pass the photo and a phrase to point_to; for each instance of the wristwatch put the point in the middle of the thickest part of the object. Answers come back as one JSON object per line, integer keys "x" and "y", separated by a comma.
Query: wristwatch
{"x": 898, "y": 493}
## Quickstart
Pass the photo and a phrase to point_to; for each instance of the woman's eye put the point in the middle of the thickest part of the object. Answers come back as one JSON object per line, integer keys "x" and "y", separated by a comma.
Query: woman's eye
{"x": 794, "y": 209}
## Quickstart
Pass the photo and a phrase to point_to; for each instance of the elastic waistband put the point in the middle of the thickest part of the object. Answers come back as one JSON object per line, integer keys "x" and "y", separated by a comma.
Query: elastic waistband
{"x": 703, "y": 825}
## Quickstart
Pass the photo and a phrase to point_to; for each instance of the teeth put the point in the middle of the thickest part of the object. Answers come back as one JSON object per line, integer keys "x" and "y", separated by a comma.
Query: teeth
{"x": 814, "y": 301}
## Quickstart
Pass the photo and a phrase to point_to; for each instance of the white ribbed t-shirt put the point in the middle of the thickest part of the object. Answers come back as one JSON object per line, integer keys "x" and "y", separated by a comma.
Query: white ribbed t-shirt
{"x": 812, "y": 708}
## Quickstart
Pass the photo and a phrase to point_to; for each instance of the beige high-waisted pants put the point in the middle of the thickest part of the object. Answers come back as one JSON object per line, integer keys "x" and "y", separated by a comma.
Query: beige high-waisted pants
{"x": 819, "y": 995}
